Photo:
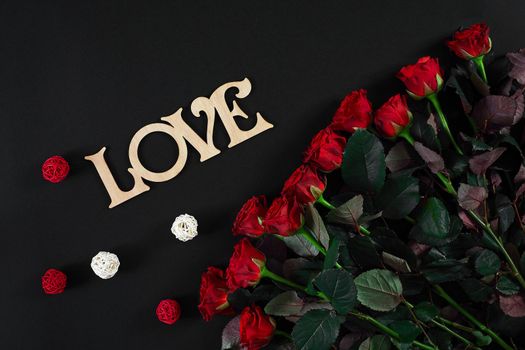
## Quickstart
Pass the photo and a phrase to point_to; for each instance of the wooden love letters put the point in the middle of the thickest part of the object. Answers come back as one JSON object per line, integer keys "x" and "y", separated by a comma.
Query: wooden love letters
{"x": 182, "y": 134}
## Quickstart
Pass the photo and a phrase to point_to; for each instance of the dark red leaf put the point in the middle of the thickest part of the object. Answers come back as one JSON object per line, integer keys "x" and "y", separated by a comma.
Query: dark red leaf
{"x": 480, "y": 163}
{"x": 433, "y": 160}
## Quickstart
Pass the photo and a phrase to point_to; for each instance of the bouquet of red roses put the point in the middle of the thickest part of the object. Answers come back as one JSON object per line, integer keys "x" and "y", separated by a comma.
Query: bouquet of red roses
{"x": 422, "y": 246}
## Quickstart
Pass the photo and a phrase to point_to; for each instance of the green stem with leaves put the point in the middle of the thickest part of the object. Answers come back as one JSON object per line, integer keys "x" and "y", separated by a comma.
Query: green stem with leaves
{"x": 265, "y": 273}
{"x": 478, "y": 61}
{"x": 310, "y": 238}
{"x": 443, "y": 120}
{"x": 440, "y": 325}
{"x": 387, "y": 330}
{"x": 321, "y": 200}
{"x": 488, "y": 230}
{"x": 441, "y": 292}
{"x": 269, "y": 274}
{"x": 464, "y": 340}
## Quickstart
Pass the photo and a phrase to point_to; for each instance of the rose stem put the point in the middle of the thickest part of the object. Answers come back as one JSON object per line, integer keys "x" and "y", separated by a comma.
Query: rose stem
{"x": 478, "y": 61}
{"x": 440, "y": 325}
{"x": 418, "y": 322}
{"x": 465, "y": 341}
{"x": 435, "y": 102}
{"x": 325, "y": 203}
{"x": 488, "y": 230}
{"x": 387, "y": 330}
{"x": 441, "y": 292}
{"x": 405, "y": 133}
{"x": 321, "y": 200}
{"x": 275, "y": 277}
{"x": 310, "y": 238}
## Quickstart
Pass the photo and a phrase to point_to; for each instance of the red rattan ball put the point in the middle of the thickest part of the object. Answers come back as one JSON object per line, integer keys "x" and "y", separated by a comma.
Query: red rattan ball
{"x": 54, "y": 281}
{"x": 168, "y": 311}
{"x": 55, "y": 169}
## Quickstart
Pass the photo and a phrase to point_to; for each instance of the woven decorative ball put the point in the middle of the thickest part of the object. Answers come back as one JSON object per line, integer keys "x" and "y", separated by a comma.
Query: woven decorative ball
{"x": 105, "y": 265}
{"x": 54, "y": 281}
{"x": 55, "y": 169}
{"x": 184, "y": 227}
{"x": 168, "y": 311}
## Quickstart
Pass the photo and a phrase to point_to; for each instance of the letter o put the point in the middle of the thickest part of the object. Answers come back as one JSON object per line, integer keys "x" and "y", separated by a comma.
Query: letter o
{"x": 134, "y": 156}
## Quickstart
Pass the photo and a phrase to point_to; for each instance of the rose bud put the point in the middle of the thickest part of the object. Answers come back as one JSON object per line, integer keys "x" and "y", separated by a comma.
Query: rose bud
{"x": 284, "y": 217}
{"x": 393, "y": 116}
{"x": 305, "y": 184}
{"x": 249, "y": 219}
{"x": 256, "y": 328}
{"x": 245, "y": 265}
{"x": 354, "y": 112}
{"x": 471, "y": 42}
{"x": 326, "y": 150}
{"x": 423, "y": 78}
{"x": 214, "y": 294}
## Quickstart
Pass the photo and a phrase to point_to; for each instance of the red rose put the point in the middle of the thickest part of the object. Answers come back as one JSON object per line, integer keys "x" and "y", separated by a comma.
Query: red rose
{"x": 214, "y": 294}
{"x": 249, "y": 219}
{"x": 245, "y": 265}
{"x": 284, "y": 217}
{"x": 392, "y": 117}
{"x": 471, "y": 42}
{"x": 54, "y": 281}
{"x": 305, "y": 184}
{"x": 326, "y": 150}
{"x": 354, "y": 112}
{"x": 168, "y": 311}
{"x": 256, "y": 328}
{"x": 423, "y": 78}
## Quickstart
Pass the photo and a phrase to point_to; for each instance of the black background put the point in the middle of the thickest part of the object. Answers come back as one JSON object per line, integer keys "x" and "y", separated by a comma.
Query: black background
{"x": 79, "y": 75}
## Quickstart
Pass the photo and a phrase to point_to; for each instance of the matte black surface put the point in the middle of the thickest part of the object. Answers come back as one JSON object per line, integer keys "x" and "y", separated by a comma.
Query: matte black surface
{"x": 79, "y": 75}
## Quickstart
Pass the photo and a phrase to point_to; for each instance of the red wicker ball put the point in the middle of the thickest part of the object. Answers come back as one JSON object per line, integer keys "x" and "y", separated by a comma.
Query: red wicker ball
{"x": 55, "y": 169}
{"x": 168, "y": 311}
{"x": 54, "y": 281}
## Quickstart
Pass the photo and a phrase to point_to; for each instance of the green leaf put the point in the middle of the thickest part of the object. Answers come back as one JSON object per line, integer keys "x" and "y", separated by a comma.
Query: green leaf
{"x": 285, "y": 304}
{"x": 377, "y": 342}
{"x": 347, "y": 213}
{"x": 446, "y": 270}
{"x": 426, "y": 311}
{"x": 301, "y": 246}
{"x": 316, "y": 330}
{"x": 476, "y": 290}
{"x": 432, "y": 224}
{"x": 380, "y": 290}
{"x": 396, "y": 263}
{"x": 407, "y": 330}
{"x": 338, "y": 285}
{"x": 505, "y": 212}
{"x": 424, "y": 132}
{"x": 399, "y": 196}
{"x": 363, "y": 252}
{"x": 332, "y": 254}
{"x": 364, "y": 167}
{"x": 316, "y": 225}
{"x": 301, "y": 270}
{"x": 507, "y": 286}
{"x": 487, "y": 262}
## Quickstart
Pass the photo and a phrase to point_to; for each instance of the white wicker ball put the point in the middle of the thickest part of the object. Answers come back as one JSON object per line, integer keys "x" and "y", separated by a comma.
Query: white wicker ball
{"x": 184, "y": 227}
{"x": 105, "y": 265}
